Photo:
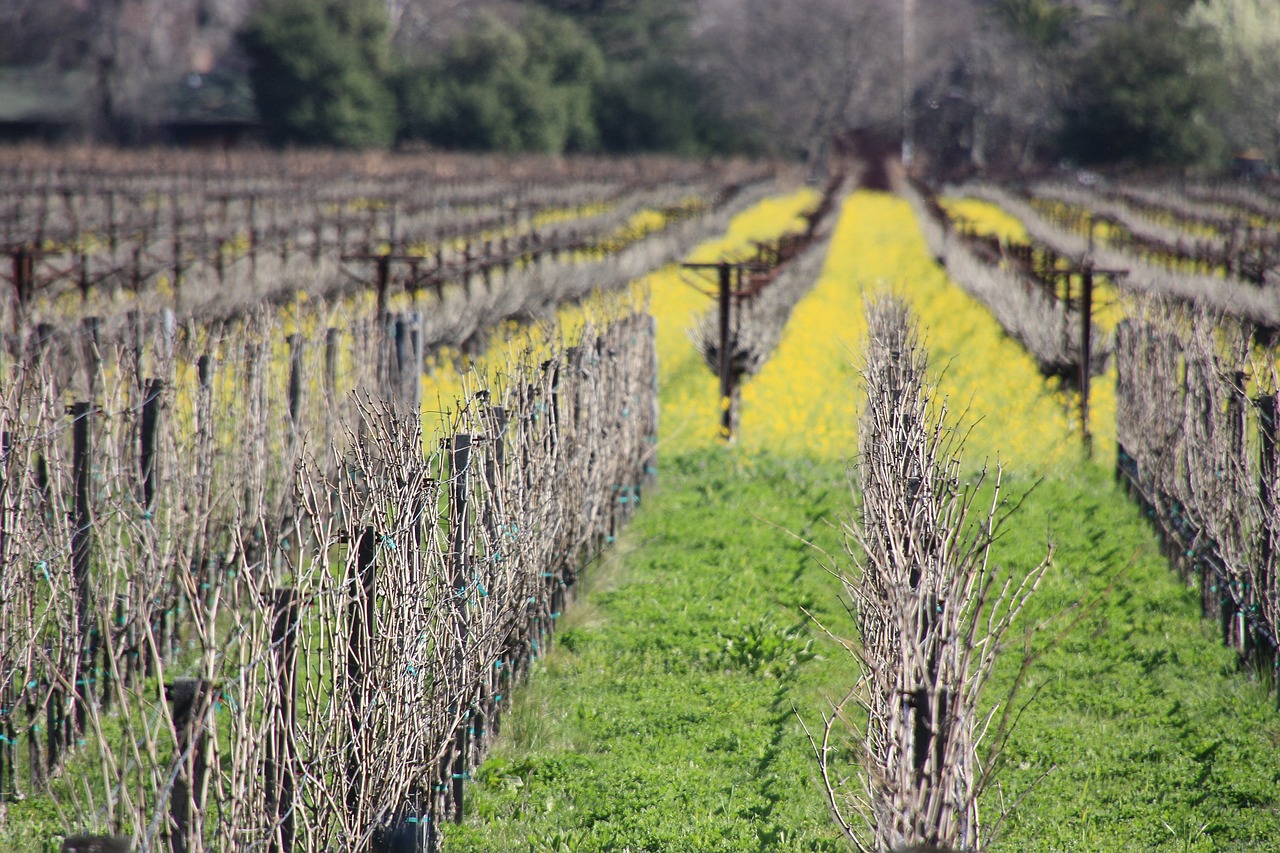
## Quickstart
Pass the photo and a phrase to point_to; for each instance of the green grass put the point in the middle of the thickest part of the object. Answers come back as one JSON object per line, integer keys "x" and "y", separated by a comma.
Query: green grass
{"x": 663, "y": 720}
{"x": 1151, "y": 737}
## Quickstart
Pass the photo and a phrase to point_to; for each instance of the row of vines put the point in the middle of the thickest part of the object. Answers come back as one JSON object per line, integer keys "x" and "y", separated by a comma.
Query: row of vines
{"x": 931, "y": 610}
{"x": 255, "y": 590}
{"x": 1199, "y": 454}
{"x": 212, "y": 242}
{"x": 217, "y": 629}
{"x": 1194, "y": 373}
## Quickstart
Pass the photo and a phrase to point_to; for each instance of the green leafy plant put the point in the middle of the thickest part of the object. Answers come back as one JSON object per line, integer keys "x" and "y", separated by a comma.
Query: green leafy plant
{"x": 320, "y": 70}
{"x": 764, "y": 646}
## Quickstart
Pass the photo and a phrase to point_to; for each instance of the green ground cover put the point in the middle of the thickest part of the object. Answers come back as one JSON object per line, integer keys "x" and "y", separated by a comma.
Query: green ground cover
{"x": 663, "y": 718}
{"x": 666, "y": 717}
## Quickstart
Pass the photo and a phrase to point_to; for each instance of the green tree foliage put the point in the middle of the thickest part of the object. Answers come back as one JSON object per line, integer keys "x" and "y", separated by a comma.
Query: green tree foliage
{"x": 662, "y": 106}
{"x": 320, "y": 71}
{"x": 507, "y": 89}
{"x": 629, "y": 32}
{"x": 1046, "y": 24}
{"x": 1143, "y": 94}
{"x": 651, "y": 99}
{"x": 1248, "y": 33}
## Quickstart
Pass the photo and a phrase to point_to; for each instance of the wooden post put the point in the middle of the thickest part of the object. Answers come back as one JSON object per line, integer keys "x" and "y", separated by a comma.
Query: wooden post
{"x": 189, "y": 698}
{"x": 726, "y": 379}
{"x": 55, "y": 727}
{"x": 280, "y": 752}
{"x": 466, "y": 267}
{"x": 135, "y": 270}
{"x": 253, "y": 235}
{"x": 8, "y": 740}
{"x": 34, "y": 761}
{"x": 295, "y": 378}
{"x": 402, "y": 393}
{"x": 1086, "y": 356}
{"x": 360, "y": 579}
{"x": 1233, "y": 633}
{"x": 150, "y": 427}
{"x": 459, "y": 562}
{"x": 149, "y": 473}
{"x": 82, "y": 280}
{"x": 383, "y": 282}
{"x": 408, "y": 834}
{"x": 331, "y": 339}
{"x": 81, "y": 543}
{"x": 111, "y": 223}
{"x": 8, "y": 703}
{"x": 1269, "y": 428}
{"x": 573, "y": 366}
{"x": 23, "y": 280}
{"x": 204, "y": 400}
{"x": 486, "y": 722}
{"x": 177, "y": 255}
{"x": 387, "y": 363}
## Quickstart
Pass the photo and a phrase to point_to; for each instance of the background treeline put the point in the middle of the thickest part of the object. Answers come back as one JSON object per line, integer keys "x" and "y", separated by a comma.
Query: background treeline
{"x": 549, "y": 76}
{"x": 993, "y": 85}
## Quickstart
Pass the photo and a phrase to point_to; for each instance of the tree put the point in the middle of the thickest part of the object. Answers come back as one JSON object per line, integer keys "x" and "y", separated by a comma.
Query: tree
{"x": 628, "y": 32}
{"x": 504, "y": 89}
{"x": 1013, "y": 83}
{"x": 654, "y": 95}
{"x": 1046, "y": 24}
{"x": 1143, "y": 94}
{"x": 657, "y": 107}
{"x": 320, "y": 72}
{"x": 1248, "y": 33}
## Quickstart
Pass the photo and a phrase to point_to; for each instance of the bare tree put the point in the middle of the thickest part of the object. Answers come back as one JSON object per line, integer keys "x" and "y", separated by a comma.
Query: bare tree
{"x": 801, "y": 69}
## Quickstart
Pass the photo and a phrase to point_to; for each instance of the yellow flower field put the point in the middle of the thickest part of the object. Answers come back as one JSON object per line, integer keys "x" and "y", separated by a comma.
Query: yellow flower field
{"x": 985, "y": 218}
{"x": 804, "y": 399}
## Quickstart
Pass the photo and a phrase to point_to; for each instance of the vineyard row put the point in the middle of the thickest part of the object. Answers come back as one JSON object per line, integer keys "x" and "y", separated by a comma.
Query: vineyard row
{"x": 228, "y": 619}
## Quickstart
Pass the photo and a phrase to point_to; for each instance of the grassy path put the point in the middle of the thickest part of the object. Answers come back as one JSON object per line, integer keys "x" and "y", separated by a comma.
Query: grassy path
{"x": 663, "y": 720}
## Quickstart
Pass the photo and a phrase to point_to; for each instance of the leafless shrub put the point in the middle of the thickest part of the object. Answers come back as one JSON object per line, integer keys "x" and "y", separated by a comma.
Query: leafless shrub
{"x": 899, "y": 753}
